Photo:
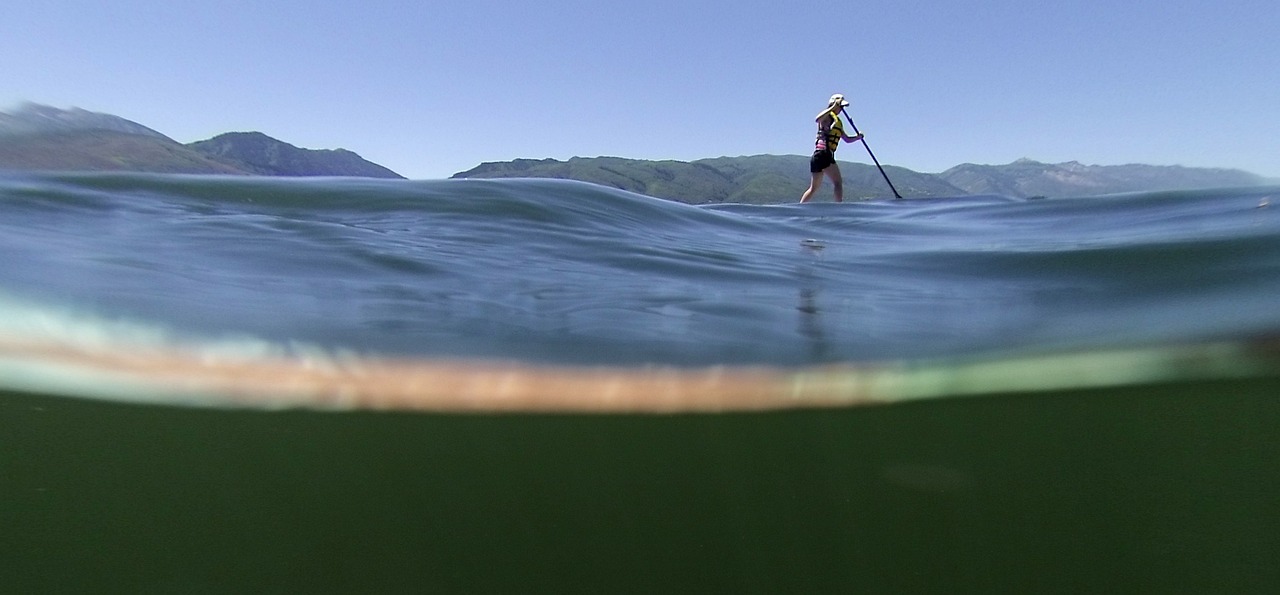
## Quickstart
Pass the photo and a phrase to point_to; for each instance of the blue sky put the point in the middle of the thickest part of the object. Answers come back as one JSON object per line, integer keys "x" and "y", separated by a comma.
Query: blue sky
{"x": 432, "y": 88}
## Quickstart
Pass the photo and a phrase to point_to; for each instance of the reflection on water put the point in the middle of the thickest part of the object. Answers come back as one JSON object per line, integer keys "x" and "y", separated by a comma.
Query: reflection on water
{"x": 810, "y": 324}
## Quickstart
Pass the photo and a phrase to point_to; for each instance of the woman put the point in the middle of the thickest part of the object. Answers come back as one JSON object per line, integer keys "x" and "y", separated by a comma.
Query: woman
{"x": 823, "y": 162}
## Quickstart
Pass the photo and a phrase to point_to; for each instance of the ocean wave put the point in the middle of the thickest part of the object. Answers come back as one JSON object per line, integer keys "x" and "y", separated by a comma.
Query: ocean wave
{"x": 564, "y": 272}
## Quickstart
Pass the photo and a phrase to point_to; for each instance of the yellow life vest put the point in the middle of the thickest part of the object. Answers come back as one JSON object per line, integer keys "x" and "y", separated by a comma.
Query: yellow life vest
{"x": 829, "y": 139}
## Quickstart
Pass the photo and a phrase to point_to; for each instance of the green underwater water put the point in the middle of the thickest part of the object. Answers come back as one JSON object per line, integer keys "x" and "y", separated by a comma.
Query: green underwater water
{"x": 1159, "y": 488}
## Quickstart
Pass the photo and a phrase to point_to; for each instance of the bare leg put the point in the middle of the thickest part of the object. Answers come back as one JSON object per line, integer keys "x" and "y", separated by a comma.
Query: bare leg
{"x": 833, "y": 172}
{"x": 815, "y": 182}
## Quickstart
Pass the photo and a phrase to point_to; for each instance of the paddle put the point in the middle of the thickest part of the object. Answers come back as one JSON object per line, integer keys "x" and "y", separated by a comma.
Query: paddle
{"x": 873, "y": 155}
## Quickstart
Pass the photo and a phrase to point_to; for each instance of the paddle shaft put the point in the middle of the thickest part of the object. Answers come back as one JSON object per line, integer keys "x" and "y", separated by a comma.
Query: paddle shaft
{"x": 873, "y": 155}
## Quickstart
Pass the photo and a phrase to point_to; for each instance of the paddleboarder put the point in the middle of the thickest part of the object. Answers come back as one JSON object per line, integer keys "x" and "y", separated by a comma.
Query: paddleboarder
{"x": 823, "y": 163}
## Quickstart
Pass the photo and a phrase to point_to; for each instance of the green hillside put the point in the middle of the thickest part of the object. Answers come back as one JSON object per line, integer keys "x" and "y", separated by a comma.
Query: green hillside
{"x": 771, "y": 179}
{"x": 263, "y": 155}
{"x": 758, "y": 179}
{"x": 42, "y": 138}
{"x": 106, "y": 150}
{"x": 1026, "y": 177}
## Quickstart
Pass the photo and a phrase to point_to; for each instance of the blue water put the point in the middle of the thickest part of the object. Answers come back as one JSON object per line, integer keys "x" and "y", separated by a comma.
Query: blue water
{"x": 1165, "y": 484}
{"x": 553, "y": 271}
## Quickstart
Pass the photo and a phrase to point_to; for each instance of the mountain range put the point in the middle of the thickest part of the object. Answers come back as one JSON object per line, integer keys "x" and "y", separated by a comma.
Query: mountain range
{"x": 764, "y": 179}
{"x": 37, "y": 137}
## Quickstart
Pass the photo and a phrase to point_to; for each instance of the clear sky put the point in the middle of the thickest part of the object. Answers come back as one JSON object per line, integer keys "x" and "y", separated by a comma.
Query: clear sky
{"x": 433, "y": 88}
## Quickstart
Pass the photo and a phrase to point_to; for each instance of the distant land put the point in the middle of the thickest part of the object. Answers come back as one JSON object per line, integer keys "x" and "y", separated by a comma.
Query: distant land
{"x": 41, "y": 138}
{"x": 764, "y": 179}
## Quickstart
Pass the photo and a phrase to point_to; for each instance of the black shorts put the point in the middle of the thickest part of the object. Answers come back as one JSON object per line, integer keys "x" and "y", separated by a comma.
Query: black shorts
{"x": 821, "y": 160}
